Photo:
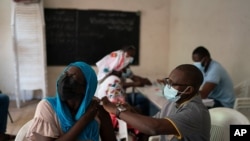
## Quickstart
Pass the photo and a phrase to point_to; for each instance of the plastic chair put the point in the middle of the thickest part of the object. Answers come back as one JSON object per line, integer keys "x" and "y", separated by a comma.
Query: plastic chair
{"x": 122, "y": 134}
{"x": 242, "y": 101}
{"x": 242, "y": 89}
{"x": 154, "y": 138}
{"x": 22, "y": 131}
{"x": 221, "y": 119}
{"x": 243, "y": 105}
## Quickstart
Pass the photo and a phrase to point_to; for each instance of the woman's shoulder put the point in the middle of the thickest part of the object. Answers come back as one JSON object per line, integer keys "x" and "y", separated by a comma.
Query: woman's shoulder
{"x": 43, "y": 103}
{"x": 44, "y": 108}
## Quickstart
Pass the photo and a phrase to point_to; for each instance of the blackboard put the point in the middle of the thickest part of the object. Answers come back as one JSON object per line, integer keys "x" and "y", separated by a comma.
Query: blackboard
{"x": 88, "y": 35}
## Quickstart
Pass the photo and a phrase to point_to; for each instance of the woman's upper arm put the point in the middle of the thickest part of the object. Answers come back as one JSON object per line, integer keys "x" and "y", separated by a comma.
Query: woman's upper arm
{"x": 44, "y": 122}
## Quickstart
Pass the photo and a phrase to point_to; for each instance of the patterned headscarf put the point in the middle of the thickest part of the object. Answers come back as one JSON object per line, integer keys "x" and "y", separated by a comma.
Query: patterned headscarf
{"x": 115, "y": 92}
{"x": 91, "y": 132}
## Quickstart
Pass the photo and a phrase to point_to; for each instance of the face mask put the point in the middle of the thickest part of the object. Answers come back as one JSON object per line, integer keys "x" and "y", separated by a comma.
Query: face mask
{"x": 131, "y": 60}
{"x": 127, "y": 73}
{"x": 68, "y": 88}
{"x": 199, "y": 66}
{"x": 171, "y": 94}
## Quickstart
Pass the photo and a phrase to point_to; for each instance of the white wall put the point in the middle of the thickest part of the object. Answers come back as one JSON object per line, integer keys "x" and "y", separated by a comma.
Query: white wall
{"x": 7, "y": 73}
{"x": 170, "y": 30}
{"x": 220, "y": 25}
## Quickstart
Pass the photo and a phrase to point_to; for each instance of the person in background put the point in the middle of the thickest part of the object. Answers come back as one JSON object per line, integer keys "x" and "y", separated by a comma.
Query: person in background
{"x": 74, "y": 114}
{"x": 183, "y": 118}
{"x": 118, "y": 63}
{"x": 4, "y": 106}
{"x": 217, "y": 83}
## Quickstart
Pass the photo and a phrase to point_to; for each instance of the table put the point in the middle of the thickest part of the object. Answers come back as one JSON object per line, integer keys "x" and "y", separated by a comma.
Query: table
{"x": 154, "y": 94}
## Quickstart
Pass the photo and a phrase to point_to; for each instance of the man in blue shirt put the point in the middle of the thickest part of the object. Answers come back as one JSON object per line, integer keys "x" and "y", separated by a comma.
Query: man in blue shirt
{"x": 217, "y": 84}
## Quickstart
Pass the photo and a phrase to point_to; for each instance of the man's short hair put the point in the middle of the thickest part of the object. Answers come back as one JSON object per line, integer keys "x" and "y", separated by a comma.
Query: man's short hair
{"x": 201, "y": 51}
{"x": 192, "y": 74}
{"x": 128, "y": 47}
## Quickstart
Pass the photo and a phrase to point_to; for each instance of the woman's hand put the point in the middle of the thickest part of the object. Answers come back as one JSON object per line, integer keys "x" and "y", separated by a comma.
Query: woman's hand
{"x": 111, "y": 107}
{"x": 161, "y": 81}
{"x": 138, "y": 83}
{"x": 146, "y": 81}
{"x": 129, "y": 108}
{"x": 93, "y": 109}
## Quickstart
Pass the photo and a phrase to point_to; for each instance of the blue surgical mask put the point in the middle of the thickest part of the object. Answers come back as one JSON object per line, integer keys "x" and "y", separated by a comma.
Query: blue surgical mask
{"x": 171, "y": 94}
{"x": 199, "y": 66}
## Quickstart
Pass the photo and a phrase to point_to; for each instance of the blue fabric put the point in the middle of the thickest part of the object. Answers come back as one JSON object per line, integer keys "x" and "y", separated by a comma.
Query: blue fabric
{"x": 4, "y": 106}
{"x": 223, "y": 92}
{"x": 140, "y": 102}
{"x": 91, "y": 132}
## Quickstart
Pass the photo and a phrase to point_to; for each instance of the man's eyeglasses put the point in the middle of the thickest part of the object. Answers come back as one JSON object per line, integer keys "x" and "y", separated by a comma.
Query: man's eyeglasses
{"x": 170, "y": 84}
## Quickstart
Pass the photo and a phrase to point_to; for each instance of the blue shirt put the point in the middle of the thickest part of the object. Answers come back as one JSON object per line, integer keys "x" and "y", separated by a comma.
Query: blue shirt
{"x": 223, "y": 92}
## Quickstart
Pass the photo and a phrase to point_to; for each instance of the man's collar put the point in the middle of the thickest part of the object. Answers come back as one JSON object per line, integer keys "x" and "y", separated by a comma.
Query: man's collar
{"x": 184, "y": 102}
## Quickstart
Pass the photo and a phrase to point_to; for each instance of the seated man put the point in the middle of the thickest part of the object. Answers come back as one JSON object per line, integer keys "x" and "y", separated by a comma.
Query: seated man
{"x": 4, "y": 106}
{"x": 217, "y": 84}
{"x": 183, "y": 118}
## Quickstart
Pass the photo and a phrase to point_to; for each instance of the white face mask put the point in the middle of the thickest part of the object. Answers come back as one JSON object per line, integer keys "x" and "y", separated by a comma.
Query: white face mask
{"x": 171, "y": 94}
{"x": 199, "y": 66}
{"x": 127, "y": 73}
{"x": 131, "y": 59}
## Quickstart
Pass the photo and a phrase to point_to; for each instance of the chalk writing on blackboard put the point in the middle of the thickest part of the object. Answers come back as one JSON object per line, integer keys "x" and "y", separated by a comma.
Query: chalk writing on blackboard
{"x": 88, "y": 35}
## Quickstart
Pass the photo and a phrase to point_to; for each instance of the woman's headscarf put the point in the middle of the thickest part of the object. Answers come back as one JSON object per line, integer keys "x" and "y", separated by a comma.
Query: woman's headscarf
{"x": 116, "y": 60}
{"x": 63, "y": 112}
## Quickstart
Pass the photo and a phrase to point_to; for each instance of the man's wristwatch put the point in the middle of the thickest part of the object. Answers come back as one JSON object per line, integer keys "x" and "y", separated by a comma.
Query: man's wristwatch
{"x": 120, "y": 108}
